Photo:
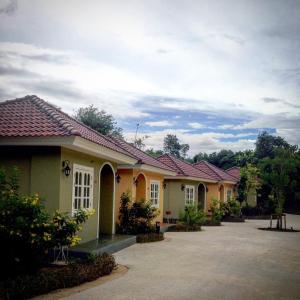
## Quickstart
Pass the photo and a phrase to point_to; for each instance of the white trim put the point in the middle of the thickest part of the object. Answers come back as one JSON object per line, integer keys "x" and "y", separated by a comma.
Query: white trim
{"x": 158, "y": 195}
{"x": 90, "y": 170}
{"x": 191, "y": 178}
{"x": 146, "y": 167}
{"x": 227, "y": 181}
{"x": 190, "y": 187}
{"x": 99, "y": 198}
{"x": 205, "y": 195}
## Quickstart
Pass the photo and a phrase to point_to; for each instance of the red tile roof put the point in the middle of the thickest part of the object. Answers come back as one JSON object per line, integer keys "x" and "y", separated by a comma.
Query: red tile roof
{"x": 213, "y": 171}
{"x": 235, "y": 172}
{"x": 141, "y": 156}
{"x": 31, "y": 116}
{"x": 183, "y": 168}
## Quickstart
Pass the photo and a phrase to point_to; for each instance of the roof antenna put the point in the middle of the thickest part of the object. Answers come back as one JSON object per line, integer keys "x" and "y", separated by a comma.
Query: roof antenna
{"x": 136, "y": 131}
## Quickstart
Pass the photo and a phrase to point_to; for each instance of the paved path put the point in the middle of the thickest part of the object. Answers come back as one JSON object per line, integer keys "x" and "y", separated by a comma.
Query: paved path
{"x": 234, "y": 261}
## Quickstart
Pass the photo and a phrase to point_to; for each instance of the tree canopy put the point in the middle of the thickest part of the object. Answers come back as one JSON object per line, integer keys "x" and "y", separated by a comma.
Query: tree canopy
{"x": 99, "y": 120}
{"x": 173, "y": 147}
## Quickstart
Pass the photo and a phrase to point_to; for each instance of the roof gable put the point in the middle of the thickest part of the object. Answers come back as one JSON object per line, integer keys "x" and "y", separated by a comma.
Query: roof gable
{"x": 183, "y": 168}
{"x": 31, "y": 116}
{"x": 214, "y": 171}
{"x": 234, "y": 171}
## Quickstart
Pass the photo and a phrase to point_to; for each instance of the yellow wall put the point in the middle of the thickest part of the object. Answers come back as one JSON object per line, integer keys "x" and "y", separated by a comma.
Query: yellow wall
{"x": 127, "y": 185}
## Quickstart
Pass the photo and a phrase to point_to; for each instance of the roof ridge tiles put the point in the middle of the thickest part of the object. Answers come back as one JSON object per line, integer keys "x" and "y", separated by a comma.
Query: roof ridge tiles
{"x": 51, "y": 111}
{"x": 174, "y": 162}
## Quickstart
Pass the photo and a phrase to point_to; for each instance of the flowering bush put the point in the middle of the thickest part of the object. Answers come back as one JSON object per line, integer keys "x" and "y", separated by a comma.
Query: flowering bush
{"x": 231, "y": 208}
{"x": 27, "y": 232}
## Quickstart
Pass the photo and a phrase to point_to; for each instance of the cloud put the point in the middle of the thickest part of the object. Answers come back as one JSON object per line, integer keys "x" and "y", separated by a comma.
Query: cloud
{"x": 164, "y": 123}
{"x": 276, "y": 100}
{"x": 8, "y": 7}
{"x": 196, "y": 125}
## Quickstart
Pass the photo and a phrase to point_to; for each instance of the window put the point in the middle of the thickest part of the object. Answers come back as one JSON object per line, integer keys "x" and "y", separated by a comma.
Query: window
{"x": 82, "y": 187}
{"x": 189, "y": 195}
{"x": 229, "y": 194}
{"x": 154, "y": 193}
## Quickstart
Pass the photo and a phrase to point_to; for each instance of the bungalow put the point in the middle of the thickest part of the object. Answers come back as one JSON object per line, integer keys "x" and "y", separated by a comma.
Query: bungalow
{"x": 72, "y": 166}
{"x": 189, "y": 186}
{"x": 143, "y": 180}
{"x": 226, "y": 187}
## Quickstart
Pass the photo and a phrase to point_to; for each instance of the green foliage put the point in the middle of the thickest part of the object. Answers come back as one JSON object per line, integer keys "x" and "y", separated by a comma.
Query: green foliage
{"x": 99, "y": 121}
{"x": 173, "y": 147}
{"x": 56, "y": 277}
{"x": 277, "y": 173}
{"x": 216, "y": 212}
{"x": 27, "y": 232}
{"x": 149, "y": 237}
{"x": 192, "y": 216}
{"x": 231, "y": 208}
{"x": 154, "y": 153}
{"x": 136, "y": 217}
{"x": 249, "y": 182}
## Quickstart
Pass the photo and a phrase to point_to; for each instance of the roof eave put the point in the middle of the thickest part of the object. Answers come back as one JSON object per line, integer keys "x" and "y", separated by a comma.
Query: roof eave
{"x": 70, "y": 142}
{"x": 149, "y": 168}
{"x": 192, "y": 178}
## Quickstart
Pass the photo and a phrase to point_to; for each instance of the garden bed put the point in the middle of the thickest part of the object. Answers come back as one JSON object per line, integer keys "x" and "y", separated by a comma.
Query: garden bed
{"x": 183, "y": 228}
{"x": 234, "y": 219}
{"x": 278, "y": 230}
{"x": 149, "y": 237}
{"x": 211, "y": 223}
{"x": 56, "y": 277}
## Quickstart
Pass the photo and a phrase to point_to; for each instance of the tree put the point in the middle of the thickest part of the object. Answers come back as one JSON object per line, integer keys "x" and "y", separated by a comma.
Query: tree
{"x": 173, "y": 147}
{"x": 266, "y": 145}
{"x": 200, "y": 156}
{"x": 140, "y": 142}
{"x": 249, "y": 182}
{"x": 99, "y": 121}
{"x": 154, "y": 153}
{"x": 276, "y": 172}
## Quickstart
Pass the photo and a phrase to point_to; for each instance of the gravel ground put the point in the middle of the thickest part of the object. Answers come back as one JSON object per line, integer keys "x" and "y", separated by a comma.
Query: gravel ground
{"x": 233, "y": 261}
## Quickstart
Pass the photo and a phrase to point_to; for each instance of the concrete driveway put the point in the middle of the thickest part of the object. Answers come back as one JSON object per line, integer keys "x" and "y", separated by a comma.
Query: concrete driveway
{"x": 234, "y": 261}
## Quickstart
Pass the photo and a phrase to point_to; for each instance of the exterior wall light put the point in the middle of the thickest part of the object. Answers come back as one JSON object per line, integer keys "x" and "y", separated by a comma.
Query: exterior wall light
{"x": 183, "y": 187}
{"x": 118, "y": 178}
{"x": 164, "y": 185}
{"x": 206, "y": 189}
{"x": 66, "y": 167}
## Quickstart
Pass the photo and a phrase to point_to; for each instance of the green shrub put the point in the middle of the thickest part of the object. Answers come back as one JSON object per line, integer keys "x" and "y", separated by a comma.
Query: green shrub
{"x": 27, "y": 232}
{"x": 192, "y": 216}
{"x": 149, "y": 237}
{"x": 216, "y": 212}
{"x": 56, "y": 277}
{"x": 179, "y": 227}
{"x": 231, "y": 208}
{"x": 136, "y": 217}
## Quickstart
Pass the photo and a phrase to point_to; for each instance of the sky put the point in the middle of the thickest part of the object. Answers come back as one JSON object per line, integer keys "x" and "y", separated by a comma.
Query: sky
{"x": 214, "y": 72}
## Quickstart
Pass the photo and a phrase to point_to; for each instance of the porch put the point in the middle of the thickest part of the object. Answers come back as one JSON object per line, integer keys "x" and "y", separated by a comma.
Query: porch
{"x": 106, "y": 243}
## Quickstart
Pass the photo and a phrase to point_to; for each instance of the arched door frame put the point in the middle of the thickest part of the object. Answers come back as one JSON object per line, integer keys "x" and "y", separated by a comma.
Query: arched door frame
{"x": 99, "y": 197}
{"x": 220, "y": 189}
{"x": 204, "y": 208}
{"x": 146, "y": 184}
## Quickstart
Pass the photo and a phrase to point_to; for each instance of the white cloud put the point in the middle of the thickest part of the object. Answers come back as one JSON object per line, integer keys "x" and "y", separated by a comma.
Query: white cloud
{"x": 164, "y": 123}
{"x": 196, "y": 125}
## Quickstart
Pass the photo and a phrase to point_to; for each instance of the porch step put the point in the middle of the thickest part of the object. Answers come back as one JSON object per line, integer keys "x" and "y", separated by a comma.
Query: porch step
{"x": 107, "y": 243}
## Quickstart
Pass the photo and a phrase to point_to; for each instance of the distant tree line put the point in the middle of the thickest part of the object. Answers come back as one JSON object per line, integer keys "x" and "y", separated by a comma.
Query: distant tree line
{"x": 274, "y": 161}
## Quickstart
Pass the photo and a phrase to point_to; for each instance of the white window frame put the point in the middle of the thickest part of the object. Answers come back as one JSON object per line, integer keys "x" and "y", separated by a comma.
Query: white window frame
{"x": 188, "y": 200}
{"x": 155, "y": 182}
{"x": 231, "y": 194}
{"x": 83, "y": 170}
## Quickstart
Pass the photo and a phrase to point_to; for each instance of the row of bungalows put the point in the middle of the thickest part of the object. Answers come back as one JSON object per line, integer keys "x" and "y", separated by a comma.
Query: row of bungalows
{"x": 73, "y": 167}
